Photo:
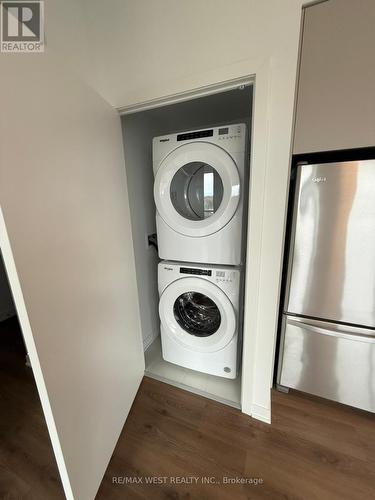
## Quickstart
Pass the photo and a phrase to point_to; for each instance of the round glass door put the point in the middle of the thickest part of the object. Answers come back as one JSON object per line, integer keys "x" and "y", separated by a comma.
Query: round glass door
{"x": 196, "y": 191}
{"x": 197, "y": 314}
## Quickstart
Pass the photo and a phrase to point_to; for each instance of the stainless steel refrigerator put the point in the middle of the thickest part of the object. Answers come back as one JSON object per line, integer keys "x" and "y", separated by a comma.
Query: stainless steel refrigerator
{"x": 328, "y": 330}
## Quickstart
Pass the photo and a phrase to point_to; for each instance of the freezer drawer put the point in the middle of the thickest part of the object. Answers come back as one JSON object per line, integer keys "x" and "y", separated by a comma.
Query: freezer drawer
{"x": 328, "y": 360}
{"x": 332, "y": 265}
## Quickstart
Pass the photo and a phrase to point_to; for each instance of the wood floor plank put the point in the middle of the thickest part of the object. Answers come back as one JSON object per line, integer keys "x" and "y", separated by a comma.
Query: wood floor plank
{"x": 312, "y": 450}
{"x": 28, "y": 470}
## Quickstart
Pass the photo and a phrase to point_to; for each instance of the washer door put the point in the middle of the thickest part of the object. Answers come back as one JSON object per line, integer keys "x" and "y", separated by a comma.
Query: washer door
{"x": 197, "y": 189}
{"x": 197, "y": 314}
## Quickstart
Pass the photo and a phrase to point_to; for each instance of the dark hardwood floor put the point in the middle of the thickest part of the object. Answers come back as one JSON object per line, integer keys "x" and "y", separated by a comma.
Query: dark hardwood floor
{"x": 314, "y": 449}
{"x": 27, "y": 464}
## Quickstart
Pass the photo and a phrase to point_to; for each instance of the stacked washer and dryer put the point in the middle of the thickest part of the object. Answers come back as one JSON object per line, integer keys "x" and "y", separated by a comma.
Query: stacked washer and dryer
{"x": 199, "y": 193}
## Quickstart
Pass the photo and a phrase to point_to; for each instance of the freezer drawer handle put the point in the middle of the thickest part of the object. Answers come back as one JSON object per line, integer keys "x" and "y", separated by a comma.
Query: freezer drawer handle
{"x": 333, "y": 333}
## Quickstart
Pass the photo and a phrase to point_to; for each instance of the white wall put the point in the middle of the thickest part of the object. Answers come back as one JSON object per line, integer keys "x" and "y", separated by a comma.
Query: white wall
{"x": 144, "y": 50}
{"x": 68, "y": 250}
{"x": 65, "y": 34}
{"x": 141, "y": 201}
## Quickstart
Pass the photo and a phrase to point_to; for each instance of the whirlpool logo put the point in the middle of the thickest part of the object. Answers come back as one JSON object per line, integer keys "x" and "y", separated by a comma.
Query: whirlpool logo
{"x": 318, "y": 180}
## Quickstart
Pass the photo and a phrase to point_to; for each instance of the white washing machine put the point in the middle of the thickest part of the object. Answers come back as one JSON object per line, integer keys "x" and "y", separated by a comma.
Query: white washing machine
{"x": 199, "y": 193}
{"x": 200, "y": 317}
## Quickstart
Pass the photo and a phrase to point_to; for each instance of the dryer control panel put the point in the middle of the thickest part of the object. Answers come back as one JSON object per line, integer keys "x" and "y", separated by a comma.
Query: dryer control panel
{"x": 232, "y": 138}
{"x": 192, "y": 270}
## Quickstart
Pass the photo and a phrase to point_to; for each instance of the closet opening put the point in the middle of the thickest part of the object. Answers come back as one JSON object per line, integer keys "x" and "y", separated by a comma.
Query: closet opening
{"x": 195, "y": 198}
{"x": 28, "y": 462}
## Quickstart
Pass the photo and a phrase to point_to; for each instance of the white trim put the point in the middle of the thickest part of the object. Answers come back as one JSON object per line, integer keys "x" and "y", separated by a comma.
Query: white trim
{"x": 188, "y": 95}
{"x": 19, "y": 302}
{"x": 261, "y": 413}
{"x": 259, "y": 141}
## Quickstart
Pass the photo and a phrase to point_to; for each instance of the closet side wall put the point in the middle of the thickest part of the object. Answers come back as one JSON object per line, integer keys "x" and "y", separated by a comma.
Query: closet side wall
{"x": 138, "y": 130}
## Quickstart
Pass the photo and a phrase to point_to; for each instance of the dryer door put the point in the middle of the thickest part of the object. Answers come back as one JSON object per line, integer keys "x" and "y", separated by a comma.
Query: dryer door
{"x": 197, "y": 314}
{"x": 197, "y": 189}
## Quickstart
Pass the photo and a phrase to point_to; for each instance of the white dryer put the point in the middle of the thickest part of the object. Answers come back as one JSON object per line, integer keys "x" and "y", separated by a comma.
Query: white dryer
{"x": 199, "y": 194}
{"x": 199, "y": 313}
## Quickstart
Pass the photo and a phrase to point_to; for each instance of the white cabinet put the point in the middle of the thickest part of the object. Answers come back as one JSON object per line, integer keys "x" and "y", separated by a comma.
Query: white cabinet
{"x": 336, "y": 100}
{"x": 66, "y": 241}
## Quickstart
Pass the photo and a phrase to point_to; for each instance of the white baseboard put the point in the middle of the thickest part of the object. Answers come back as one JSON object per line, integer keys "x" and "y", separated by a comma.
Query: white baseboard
{"x": 261, "y": 413}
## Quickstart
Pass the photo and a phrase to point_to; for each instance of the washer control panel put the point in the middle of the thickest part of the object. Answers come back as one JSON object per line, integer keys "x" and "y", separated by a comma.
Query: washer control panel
{"x": 219, "y": 275}
{"x": 226, "y": 278}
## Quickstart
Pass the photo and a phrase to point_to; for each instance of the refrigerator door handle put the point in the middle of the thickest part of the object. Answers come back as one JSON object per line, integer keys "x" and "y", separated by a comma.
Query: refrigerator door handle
{"x": 357, "y": 334}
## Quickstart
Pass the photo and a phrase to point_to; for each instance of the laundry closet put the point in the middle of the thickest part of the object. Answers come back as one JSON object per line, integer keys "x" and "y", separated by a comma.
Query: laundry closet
{"x": 78, "y": 243}
{"x": 164, "y": 259}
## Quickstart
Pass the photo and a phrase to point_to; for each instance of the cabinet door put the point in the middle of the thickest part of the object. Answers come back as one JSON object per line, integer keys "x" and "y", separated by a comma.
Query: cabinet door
{"x": 67, "y": 245}
{"x": 335, "y": 104}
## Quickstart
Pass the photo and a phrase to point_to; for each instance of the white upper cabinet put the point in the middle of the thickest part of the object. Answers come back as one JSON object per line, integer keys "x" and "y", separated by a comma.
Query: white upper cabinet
{"x": 336, "y": 96}
{"x": 68, "y": 249}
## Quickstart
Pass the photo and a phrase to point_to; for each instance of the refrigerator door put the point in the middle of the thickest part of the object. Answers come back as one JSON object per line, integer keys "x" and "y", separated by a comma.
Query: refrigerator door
{"x": 333, "y": 361}
{"x": 332, "y": 262}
